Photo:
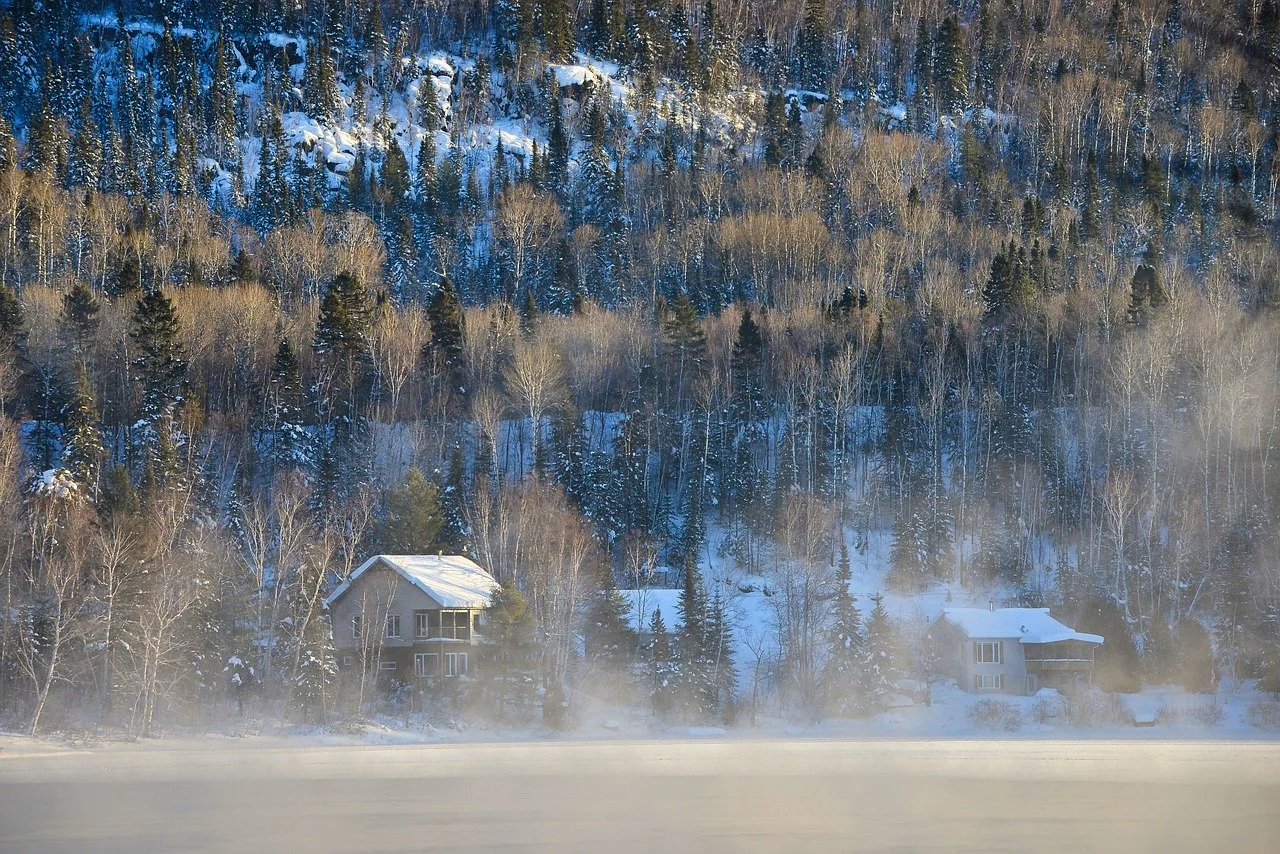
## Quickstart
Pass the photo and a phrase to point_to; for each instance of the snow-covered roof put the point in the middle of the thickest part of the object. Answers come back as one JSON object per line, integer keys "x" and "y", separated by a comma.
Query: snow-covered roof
{"x": 452, "y": 580}
{"x": 1028, "y": 625}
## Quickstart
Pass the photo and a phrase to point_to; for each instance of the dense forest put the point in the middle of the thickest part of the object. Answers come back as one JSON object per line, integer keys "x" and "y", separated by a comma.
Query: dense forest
{"x": 620, "y": 293}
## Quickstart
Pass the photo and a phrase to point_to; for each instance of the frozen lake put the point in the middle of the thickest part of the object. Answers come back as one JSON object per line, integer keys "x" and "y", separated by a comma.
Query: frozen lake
{"x": 730, "y": 795}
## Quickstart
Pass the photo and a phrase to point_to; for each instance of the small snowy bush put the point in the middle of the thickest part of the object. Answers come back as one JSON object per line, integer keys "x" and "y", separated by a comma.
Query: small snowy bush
{"x": 1168, "y": 714}
{"x": 1207, "y": 714}
{"x": 995, "y": 714}
{"x": 1094, "y": 707}
{"x": 1049, "y": 708}
{"x": 1264, "y": 714}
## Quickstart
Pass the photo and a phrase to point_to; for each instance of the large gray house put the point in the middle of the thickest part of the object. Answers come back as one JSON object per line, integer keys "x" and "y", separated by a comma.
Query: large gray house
{"x": 1011, "y": 650}
{"x": 415, "y": 616}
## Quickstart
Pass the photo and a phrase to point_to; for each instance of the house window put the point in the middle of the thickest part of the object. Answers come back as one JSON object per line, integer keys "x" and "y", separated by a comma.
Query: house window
{"x": 987, "y": 652}
{"x": 425, "y": 664}
{"x": 988, "y": 682}
{"x": 348, "y": 661}
{"x": 422, "y": 624}
{"x": 455, "y": 625}
{"x": 455, "y": 664}
{"x": 393, "y": 626}
{"x": 357, "y": 626}
{"x": 386, "y": 665}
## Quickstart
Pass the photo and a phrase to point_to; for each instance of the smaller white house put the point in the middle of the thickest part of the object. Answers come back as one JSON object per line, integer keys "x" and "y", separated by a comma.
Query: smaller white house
{"x": 1011, "y": 650}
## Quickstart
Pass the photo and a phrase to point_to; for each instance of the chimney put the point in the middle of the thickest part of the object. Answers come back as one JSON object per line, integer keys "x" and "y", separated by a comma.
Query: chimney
{"x": 991, "y": 604}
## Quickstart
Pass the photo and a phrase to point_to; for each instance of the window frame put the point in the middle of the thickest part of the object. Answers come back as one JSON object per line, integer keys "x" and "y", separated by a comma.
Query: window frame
{"x": 426, "y": 664}
{"x": 387, "y": 665}
{"x": 393, "y": 620}
{"x": 357, "y": 626}
{"x": 451, "y": 661}
{"x": 980, "y": 680}
{"x": 982, "y": 648}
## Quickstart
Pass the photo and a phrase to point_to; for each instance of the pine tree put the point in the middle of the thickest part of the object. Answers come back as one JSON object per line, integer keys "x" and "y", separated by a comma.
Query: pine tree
{"x": 160, "y": 359}
{"x": 85, "y": 153}
{"x": 844, "y": 675}
{"x": 882, "y": 655}
{"x": 557, "y": 160}
{"x": 950, "y": 73}
{"x": 1195, "y": 656}
{"x": 509, "y": 650}
{"x": 414, "y": 519}
{"x": 1146, "y": 295}
{"x": 320, "y": 86}
{"x": 290, "y": 444}
{"x": 346, "y": 317}
{"x": 82, "y": 441}
{"x": 557, "y": 30}
{"x": 444, "y": 313}
{"x": 1159, "y": 653}
{"x": 78, "y": 320}
{"x": 812, "y": 48}
{"x": 13, "y": 330}
{"x": 317, "y": 676}
{"x": 1118, "y": 667}
{"x": 607, "y": 635}
{"x": 662, "y": 692}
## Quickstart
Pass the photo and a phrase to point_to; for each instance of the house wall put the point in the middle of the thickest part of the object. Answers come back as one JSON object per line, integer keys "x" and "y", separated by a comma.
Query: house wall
{"x": 376, "y": 594}
{"x": 954, "y": 651}
{"x": 378, "y": 591}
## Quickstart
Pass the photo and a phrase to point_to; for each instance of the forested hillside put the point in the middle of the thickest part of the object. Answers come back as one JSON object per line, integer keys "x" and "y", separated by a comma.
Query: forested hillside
{"x": 616, "y": 293}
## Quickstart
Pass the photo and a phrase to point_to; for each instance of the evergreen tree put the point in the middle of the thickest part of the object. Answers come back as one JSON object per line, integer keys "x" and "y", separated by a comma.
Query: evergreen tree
{"x": 1195, "y": 656}
{"x": 1159, "y": 653}
{"x": 13, "y": 328}
{"x": 557, "y": 30}
{"x": 85, "y": 153}
{"x": 812, "y": 48}
{"x": 82, "y": 441}
{"x": 662, "y": 692}
{"x": 316, "y": 678}
{"x": 843, "y": 675}
{"x": 290, "y": 444}
{"x": 882, "y": 655}
{"x": 950, "y": 73}
{"x": 78, "y": 320}
{"x": 608, "y": 638}
{"x": 509, "y": 652}
{"x": 1146, "y": 295}
{"x": 320, "y": 86}
{"x": 346, "y": 318}
{"x": 414, "y": 519}
{"x": 1118, "y": 667}
{"x": 160, "y": 357}
{"x": 444, "y": 349}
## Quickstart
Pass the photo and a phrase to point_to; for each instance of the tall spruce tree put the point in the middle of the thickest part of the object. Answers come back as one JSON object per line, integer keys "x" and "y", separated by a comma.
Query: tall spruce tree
{"x": 844, "y": 674}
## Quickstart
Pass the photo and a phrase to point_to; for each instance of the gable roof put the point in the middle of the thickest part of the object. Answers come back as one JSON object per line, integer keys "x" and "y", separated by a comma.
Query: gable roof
{"x": 1028, "y": 625}
{"x": 452, "y": 580}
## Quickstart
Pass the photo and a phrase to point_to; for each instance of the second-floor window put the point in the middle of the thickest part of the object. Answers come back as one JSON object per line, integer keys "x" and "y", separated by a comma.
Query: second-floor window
{"x": 357, "y": 626}
{"x": 443, "y": 624}
{"x": 393, "y": 626}
{"x": 986, "y": 652}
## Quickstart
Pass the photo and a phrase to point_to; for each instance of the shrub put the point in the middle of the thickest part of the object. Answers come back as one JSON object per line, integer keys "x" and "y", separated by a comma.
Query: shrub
{"x": 996, "y": 714}
{"x": 1207, "y": 714}
{"x": 1093, "y": 707}
{"x": 1049, "y": 708}
{"x": 1168, "y": 715}
{"x": 1264, "y": 714}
